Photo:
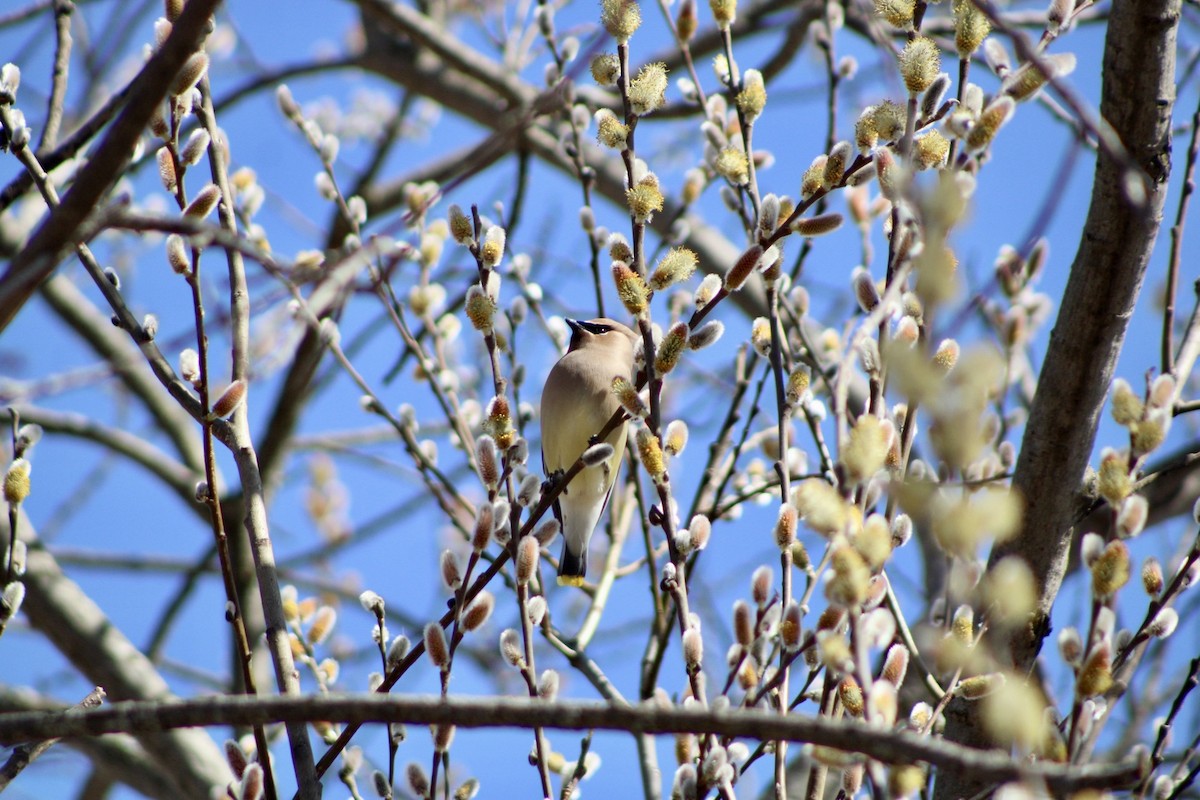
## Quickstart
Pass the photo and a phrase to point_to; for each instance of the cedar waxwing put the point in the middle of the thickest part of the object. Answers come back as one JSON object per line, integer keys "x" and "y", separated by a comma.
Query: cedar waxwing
{"x": 577, "y": 401}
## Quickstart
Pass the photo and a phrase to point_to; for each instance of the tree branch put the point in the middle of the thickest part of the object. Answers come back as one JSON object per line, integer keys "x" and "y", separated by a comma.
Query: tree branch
{"x": 849, "y": 735}
{"x": 60, "y": 234}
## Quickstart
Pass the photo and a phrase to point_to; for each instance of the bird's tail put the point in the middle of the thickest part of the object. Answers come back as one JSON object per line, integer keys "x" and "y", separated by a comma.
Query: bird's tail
{"x": 572, "y": 566}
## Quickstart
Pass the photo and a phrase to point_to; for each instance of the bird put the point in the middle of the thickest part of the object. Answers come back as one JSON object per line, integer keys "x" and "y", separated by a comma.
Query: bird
{"x": 577, "y": 401}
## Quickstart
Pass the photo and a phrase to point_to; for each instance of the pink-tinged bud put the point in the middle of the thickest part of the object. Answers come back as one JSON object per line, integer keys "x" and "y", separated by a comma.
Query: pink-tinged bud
{"x": 785, "y": 526}
{"x": 252, "y": 783}
{"x": 203, "y": 203}
{"x": 818, "y": 225}
{"x": 487, "y": 458}
{"x": 760, "y": 585}
{"x": 484, "y": 525}
{"x": 418, "y": 783}
{"x": 546, "y": 531}
{"x": 1162, "y": 392}
{"x": 189, "y": 74}
{"x": 1091, "y": 546}
{"x": 535, "y": 610}
{"x": 699, "y": 530}
{"x": 443, "y": 737}
{"x": 686, "y": 21}
{"x": 791, "y": 630}
{"x": 895, "y": 666}
{"x": 865, "y": 290}
{"x": 742, "y": 268}
{"x": 479, "y": 611}
{"x": 706, "y": 334}
{"x": 547, "y": 688}
{"x": 435, "y": 646}
{"x": 597, "y": 454}
{"x": 852, "y": 778}
{"x": 177, "y": 255}
{"x": 230, "y": 399}
{"x": 1070, "y": 646}
{"x": 451, "y": 575}
{"x": 1131, "y": 519}
{"x": 510, "y": 648}
{"x": 527, "y": 559}
{"x": 195, "y": 146}
{"x": 743, "y": 623}
{"x": 891, "y": 174}
{"x": 693, "y": 649}
{"x": 1163, "y": 624}
{"x": 166, "y": 169}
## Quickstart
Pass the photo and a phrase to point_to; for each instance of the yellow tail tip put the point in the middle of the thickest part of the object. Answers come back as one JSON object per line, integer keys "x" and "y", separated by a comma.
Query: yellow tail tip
{"x": 570, "y": 580}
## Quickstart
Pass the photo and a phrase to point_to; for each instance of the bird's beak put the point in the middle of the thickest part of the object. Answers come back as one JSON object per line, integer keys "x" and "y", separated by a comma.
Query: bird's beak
{"x": 576, "y": 325}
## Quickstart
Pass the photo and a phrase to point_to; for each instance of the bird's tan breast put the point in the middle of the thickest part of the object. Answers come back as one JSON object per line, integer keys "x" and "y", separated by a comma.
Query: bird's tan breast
{"x": 577, "y": 401}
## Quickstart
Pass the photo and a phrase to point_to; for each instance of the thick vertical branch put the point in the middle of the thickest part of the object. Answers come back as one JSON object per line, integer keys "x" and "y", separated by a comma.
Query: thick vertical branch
{"x": 1137, "y": 99}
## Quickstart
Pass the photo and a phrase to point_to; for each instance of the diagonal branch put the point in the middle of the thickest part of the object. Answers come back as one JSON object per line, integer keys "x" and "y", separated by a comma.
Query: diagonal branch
{"x": 61, "y": 232}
